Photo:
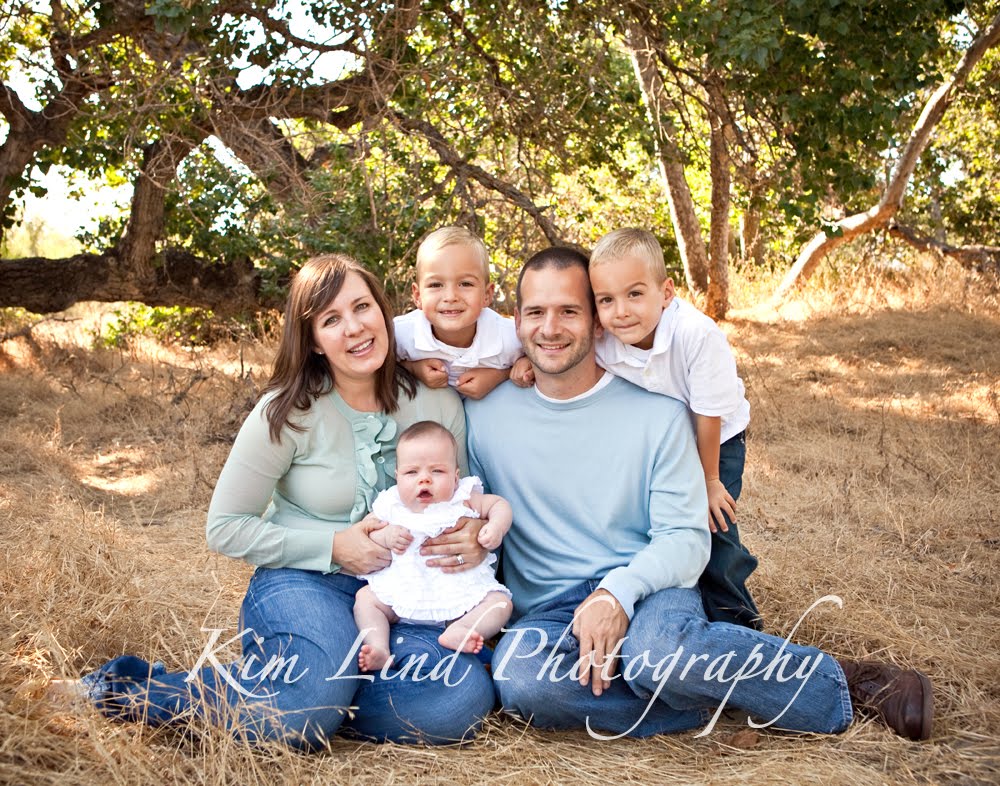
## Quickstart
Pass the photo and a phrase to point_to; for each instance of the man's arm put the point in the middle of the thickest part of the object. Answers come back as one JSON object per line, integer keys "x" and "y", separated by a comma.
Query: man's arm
{"x": 675, "y": 557}
{"x": 679, "y": 540}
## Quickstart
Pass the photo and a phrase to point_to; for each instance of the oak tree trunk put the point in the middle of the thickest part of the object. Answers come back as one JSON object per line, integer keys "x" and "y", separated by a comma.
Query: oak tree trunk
{"x": 717, "y": 301}
{"x": 687, "y": 229}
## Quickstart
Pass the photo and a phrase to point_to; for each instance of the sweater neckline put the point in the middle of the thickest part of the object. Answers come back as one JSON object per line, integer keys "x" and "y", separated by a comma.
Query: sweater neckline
{"x": 577, "y": 402}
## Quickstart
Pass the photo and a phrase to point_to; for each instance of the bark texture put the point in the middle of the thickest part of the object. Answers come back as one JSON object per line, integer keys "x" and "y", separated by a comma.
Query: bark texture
{"x": 179, "y": 279}
{"x": 717, "y": 301}
{"x": 687, "y": 228}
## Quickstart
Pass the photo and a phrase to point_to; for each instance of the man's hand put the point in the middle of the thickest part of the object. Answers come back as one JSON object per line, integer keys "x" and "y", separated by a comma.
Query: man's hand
{"x": 522, "y": 373}
{"x": 457, "y": 541}
{"x": 719, "y": 501}
{"x": 599, "y": 624}
{"x": 477, "y": 382}
{"x": 433, "y": 372}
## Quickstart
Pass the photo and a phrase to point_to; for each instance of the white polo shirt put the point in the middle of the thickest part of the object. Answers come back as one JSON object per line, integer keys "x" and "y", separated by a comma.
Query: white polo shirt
{"x": 690, "y": 360}
{"x": 495, "y": 345}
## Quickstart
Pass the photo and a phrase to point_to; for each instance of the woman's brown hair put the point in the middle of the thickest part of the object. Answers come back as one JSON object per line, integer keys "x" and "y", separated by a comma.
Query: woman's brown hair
{"x": 300, "y": 374}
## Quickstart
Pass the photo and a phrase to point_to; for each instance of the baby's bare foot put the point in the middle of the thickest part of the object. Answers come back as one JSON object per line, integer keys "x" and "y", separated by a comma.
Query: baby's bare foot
{"x": 372, "y": 658}
{"x": 462, "y": 639}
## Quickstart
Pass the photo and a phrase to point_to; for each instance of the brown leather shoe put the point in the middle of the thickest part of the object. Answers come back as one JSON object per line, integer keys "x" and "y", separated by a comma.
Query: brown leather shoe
{"x": 902, "y": 698}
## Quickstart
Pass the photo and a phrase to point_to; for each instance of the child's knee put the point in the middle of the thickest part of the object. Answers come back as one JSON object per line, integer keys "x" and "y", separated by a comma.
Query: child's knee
{"x": 365, "y": 598}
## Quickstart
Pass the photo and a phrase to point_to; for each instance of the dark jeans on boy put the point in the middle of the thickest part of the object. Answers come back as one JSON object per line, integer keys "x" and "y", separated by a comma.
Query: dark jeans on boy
{"x": 723, "y": 583}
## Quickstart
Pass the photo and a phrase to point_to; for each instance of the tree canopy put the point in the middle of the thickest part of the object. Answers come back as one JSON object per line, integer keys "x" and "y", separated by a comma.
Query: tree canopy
{"x": 258, "y": 132}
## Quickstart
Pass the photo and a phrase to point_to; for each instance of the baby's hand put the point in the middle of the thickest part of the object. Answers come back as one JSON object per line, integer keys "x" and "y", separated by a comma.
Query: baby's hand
{"x": 477, "y": 382}
{"x": 522, "y": 373}
{"x": 393, "y": 537}
{"x": 719, "y": 500}
{"x": 490, "y": 536}
{"x": 433, "y": 372}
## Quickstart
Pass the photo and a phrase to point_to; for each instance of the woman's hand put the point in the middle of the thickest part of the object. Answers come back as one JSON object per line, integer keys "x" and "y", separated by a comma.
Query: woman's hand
{"x": 457, "y": 548}
{"x": 356, "y": 552}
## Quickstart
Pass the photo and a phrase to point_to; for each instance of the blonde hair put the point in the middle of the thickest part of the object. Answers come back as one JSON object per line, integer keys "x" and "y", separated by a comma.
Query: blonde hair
{"x": 453, "y": 236}
{"x": 631, "y": 242}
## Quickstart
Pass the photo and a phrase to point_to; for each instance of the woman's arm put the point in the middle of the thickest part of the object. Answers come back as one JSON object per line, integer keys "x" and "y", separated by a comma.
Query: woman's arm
{"x": 235, "y": 525}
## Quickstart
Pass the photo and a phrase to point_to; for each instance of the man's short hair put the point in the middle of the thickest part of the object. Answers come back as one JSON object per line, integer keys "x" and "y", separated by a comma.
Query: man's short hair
{"x": 427, "y": 428}
{"x": 631, "y": 242}
{"x": 453, "y": 236}
{"x": 560, "y": 258}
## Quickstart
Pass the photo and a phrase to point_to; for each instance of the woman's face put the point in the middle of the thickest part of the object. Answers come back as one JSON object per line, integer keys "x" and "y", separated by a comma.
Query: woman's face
{"x": 350, "y": 332}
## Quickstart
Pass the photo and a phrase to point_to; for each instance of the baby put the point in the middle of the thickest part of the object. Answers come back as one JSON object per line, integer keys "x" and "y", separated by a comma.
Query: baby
{"x": 453, "y": 338}
{"x": 428, "y": 498}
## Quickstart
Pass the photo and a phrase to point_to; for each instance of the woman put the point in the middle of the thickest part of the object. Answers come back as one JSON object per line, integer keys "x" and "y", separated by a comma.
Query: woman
{"x": 317, "y": 448}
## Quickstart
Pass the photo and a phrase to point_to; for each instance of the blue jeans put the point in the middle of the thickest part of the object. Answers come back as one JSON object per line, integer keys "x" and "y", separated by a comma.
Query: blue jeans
{"x": 723, "y": 582}
{"x": 298, "y": 631}
{"x": 648, "y": 696}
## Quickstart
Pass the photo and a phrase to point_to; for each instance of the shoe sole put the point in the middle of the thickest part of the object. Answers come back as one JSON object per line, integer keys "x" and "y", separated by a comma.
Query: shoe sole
{"x": 927, "y": 707}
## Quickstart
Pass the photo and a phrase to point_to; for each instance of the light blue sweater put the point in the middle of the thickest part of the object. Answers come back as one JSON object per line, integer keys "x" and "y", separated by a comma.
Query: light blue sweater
{"x": 607, "y": 487}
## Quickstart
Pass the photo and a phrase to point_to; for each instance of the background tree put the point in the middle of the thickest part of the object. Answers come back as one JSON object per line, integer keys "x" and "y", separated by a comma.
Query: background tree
{"x": 898, "y": 180}
{"x": 257, "y": 132}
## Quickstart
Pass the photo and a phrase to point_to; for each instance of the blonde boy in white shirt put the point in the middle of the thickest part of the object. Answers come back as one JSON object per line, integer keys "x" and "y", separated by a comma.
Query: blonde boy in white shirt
{"x": 658, "y": 342}
{"x": 453, "y": 338}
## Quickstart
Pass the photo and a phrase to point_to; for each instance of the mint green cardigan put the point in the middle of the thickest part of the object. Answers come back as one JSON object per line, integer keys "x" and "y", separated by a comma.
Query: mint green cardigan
{"x": 282, "y": 504}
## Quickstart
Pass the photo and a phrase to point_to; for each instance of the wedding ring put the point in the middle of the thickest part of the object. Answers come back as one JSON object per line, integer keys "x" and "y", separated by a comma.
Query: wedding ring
{"x": 460, "y": 559}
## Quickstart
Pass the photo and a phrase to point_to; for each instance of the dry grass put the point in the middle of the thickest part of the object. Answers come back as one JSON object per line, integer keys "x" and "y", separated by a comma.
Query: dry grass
{"x": 872, "y": 474}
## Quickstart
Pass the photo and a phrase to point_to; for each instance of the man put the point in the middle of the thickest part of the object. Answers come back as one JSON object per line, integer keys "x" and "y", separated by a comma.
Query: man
{"x": 610, "y": 535}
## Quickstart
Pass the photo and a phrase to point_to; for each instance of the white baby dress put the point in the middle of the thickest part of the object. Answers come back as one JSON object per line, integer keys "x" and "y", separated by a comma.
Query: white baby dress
{"x": 416, "y": 592}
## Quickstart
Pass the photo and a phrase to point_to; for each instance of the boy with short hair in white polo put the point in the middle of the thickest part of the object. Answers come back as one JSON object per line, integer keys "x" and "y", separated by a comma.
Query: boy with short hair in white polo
{"x": 665, "y": 345}
{"x": 453, "y": 337}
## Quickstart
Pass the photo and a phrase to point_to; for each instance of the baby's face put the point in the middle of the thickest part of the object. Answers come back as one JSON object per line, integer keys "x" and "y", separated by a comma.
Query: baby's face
{"x": 426, "y": 471}
{"x": 452, "y": 289}
{"x": 629, "y": 300}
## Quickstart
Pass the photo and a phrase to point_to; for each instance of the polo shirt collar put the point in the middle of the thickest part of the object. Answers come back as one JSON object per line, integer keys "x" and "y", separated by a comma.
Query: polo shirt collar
{"x": 486, "y": 343}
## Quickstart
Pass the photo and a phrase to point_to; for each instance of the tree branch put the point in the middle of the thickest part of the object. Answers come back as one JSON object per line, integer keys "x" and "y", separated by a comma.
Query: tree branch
{"x": 450, "y": 157}
{"x": 977, "y": 258}
{"x": 892, "y": 197}
{"x": 14, "y": 110}
{"x": 279, "y": 27}
{"x": 180, "y": 279}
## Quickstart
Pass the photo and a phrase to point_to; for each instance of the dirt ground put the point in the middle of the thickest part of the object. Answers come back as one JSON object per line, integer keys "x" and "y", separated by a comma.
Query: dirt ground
{"x": 872, "y": 474}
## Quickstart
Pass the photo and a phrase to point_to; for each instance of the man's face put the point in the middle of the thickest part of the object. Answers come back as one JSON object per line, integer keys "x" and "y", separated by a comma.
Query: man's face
{"x": 554, "y": 321}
